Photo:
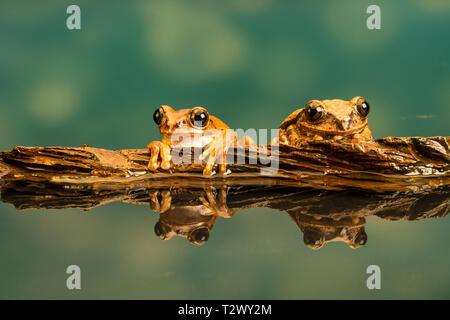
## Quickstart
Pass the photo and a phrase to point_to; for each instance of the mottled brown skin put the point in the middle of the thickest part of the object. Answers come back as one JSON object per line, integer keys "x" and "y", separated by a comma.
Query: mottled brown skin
{"x": 338, "y": 119}
{"x": 319, "y": 230}
{"x": 217, "y": 138}
{"x": 317, "y": 236}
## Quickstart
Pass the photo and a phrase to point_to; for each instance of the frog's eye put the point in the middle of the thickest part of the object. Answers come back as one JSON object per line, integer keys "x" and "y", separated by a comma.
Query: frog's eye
{"x": 158, "y": 116}
{"x": 313, "y": 239}
{"x": 314, "y": 111}
{"x": 363, "y": 107}
{"x": 199, "y": 236}
{"x": 161, "y": 231}
{"x": 199, "y": 117}
{"x": 360, "y": 239}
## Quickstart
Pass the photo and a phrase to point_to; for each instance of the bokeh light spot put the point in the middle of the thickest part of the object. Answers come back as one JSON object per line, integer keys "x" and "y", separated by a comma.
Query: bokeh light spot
{"x": 52, "y": 101}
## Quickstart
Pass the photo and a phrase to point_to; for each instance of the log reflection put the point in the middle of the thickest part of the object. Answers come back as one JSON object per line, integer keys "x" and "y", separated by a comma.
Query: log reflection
{"x": 322, "y": 216}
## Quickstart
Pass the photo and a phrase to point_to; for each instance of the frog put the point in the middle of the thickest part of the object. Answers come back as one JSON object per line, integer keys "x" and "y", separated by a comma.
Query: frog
{"x": 333, "y": 119}
{"x": 192, "y": 221}
{"x": 183, "y": 128}
{"x": 319, "y": 230}
{"x": 213, "y": 200}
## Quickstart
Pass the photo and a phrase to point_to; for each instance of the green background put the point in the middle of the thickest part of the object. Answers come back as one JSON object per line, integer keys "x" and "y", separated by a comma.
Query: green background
{"x": 251, "y": 63}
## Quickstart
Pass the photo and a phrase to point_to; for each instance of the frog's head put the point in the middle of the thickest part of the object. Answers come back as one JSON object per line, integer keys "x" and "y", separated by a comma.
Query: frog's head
{"x": 168, "y": 120}
{"x": 318, "y": 230}
{"x": 315, "y": 237}
{"x": 190, "y": 222}
{"x": 198, "y": 236}
{"x": 335, "y": 118}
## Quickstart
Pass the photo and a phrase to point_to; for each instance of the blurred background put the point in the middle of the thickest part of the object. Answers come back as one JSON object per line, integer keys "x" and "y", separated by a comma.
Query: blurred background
{"x": 251, "y": 63}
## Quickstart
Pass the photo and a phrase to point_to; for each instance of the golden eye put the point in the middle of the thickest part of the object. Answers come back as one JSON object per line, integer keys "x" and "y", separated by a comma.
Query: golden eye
{"x": 199, "y": 117}
{"x": 199, "y": 236}
{"x": 314, "y": 111}
{"x": 158, "y": 115}
{"x": 363, "y": 107}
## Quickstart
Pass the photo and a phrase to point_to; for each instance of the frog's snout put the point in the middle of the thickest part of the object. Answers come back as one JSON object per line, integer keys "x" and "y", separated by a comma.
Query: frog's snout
{"x": 346, "y": 123}
{"x": 168, "y": 126}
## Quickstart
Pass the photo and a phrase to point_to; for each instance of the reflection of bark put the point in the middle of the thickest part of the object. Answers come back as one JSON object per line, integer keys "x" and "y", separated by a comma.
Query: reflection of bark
{"x": 323, "y": 216}
{"x": 389, "y": 164}
{"x": 333, "y": 205}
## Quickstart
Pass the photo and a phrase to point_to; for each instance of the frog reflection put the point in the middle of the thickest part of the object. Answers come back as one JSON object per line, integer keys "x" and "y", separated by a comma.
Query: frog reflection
{"x": 319, "y": 230}
{"x": 192, "y": 221}
{"x": 193, "y": 218}
{"x": 322, "y": 216}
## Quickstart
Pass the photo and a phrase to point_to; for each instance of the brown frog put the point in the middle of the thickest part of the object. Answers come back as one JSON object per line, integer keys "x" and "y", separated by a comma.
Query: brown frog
{"x": 327, "y": 119}
{"x": 318, "y": 230}
{"x": 192, "y": 128}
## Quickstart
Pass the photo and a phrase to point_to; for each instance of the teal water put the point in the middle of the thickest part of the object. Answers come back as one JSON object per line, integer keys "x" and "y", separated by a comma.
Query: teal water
{"x": 251, "y": 65}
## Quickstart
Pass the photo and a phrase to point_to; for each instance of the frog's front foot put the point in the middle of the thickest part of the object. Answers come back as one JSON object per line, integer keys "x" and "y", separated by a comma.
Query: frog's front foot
{"x": 217, "y": 151}
{"x": 214, "y": 152}
{"x": 216, "y": 202}
{"x": 158, "y": 150}
{"x": 160, "y": 205}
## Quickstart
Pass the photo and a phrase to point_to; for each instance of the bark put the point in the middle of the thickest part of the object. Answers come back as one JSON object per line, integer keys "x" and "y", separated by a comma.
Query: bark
{"x": 389, "y": 164}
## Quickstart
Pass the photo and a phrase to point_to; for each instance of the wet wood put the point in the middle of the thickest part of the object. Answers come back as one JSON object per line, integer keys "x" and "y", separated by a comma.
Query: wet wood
{"x": 333, "y": 205}
{"x": 389, "y": 164}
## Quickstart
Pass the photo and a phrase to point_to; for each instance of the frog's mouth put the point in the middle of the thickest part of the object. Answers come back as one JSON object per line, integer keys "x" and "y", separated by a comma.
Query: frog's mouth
{"x": 335, "y": 132}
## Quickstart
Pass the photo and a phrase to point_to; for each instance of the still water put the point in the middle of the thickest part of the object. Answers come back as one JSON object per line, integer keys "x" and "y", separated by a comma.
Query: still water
{"x": 251, "y": 65}
{"x": 243, "y": 242}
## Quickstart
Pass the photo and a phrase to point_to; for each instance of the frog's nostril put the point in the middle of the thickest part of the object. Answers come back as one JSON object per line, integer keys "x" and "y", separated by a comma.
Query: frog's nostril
{"x": 170, "y": 125}
{"x": 346, "y": 123}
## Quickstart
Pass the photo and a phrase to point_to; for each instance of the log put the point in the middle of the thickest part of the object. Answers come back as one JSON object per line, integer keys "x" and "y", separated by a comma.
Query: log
{"x": 390, "y": 164}
{"x": 384, "y": 165}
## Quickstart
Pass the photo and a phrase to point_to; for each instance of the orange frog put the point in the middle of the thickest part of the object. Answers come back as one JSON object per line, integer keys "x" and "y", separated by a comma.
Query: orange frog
{"x": 191, "y": 221}
{"x": 192, "y": 128}
{"x": 327, "y": 119}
